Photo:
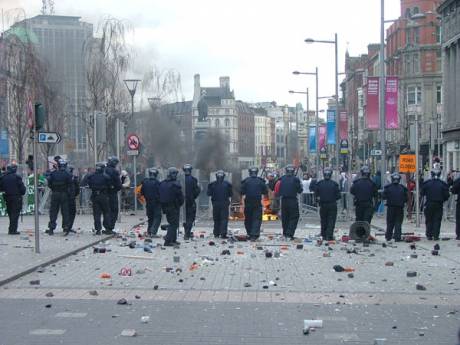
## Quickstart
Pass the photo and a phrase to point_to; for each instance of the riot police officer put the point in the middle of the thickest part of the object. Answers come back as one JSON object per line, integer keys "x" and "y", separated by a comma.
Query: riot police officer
{"x": 365, "y": 191}
{"x": 327, "y": 193}
{"x": 220, "y": 192}
{"x": 115, "y": 187}
{"x": 456, "y": 190}
{"x": 151, "y": 191}
{"x": 171, "y": 199}
{"x": 99, "y": 182}
{"x": 253, "y": 187}
{"x": 289, "y": 187}
{"x": 13, "y": 188}
{"x": 60, "y": 182}
{"x": 74, "y": 191}
{"x": 436, "y": 192}
{"x": 395, "y": 195}
{"x": 192, "y": 191}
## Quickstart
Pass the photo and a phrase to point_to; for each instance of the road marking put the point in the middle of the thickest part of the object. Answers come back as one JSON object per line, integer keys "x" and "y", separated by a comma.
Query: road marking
{"x": 74, "y": 315}
{"x": 47, "y": 332}
{"x": 331, "y": 318}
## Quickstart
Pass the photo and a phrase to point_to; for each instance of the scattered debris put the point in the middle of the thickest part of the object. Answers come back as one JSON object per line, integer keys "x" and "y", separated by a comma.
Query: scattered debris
{"x": 437, "y": 247}
{"x": 411, "y": 274}
{"x": 155, "y": 287}
{"x": 49, "y": 294}
{"x": 128, "y": 333}
{"x": 246, "y": 285}
{"x": 299, "y": 246}
{"x": 145, "y": 319}
{"x": 351, "y": 275}
{"x": 48, "y": 306}
{"x": 35, "y": 282}
{"x": 338, "y": 268}
{"x": 389, "y": 263}
{"x": 268, "y": 254}
{"x": 309, "y": 325}
{"x": 225, "y": 252}
{"x": 435, "y": 252}
{"x": 122, "y": 301}
{"x": 176, "y": 259}
{"x": 420, "y": 287}
{"x": 93, "y": 293}
{"x": 105, "y": 276}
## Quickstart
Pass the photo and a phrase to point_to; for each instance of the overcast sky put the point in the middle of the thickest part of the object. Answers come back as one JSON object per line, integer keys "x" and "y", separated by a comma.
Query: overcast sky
{"x": 257, "y": 43}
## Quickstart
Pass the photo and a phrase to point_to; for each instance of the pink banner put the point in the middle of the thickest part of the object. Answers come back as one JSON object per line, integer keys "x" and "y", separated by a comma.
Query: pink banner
{"x": 343, "y": 125}
{"x": 322, "y": 136}
{"x": 372, "y": 108}
{"x": 391, "y": 103}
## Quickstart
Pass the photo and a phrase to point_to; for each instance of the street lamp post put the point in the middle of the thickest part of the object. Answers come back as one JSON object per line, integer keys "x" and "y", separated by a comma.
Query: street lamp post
{"x": 131, "y": 85}
{"x": 382, "y": 93}
{"x": 337, "y": 133}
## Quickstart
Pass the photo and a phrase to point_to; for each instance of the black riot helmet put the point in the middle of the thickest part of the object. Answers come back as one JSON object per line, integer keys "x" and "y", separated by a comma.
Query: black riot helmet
{"x": 100, "y": 168}
{"x": 172, "y": 173}
{"x": 70, "y": 168}
{"x": 290, "y": 170}
{"x": 220, "y": 175}
{"x": 153, "y": 172}
{"x": 253, "y": 171}
{"x": 11, "y": 168}
{"x": 435, "y": 173}
{"x": 365, "y": 171}
{"x": 62, "y": 164}
{"x": 395, "y": 178}
{"x": 327, "y": 173}
{"x": 187, "y": 169}
{"x": 112, "y": 161}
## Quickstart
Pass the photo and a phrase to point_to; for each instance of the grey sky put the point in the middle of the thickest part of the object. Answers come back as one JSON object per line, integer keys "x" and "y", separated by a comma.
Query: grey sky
{"x": 258, "y": 43}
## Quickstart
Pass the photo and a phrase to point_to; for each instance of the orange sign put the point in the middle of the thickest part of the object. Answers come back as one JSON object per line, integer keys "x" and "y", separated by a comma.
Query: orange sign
{"x": 407, "y": 163}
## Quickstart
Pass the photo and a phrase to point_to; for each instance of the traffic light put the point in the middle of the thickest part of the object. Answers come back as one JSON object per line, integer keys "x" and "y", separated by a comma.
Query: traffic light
{"x": 40, "y": 116}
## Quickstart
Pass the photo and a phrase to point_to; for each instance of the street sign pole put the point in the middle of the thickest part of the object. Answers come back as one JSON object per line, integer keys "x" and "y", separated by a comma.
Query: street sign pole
{"x": 118, "y": 155}
{"x": 135, "y": 183}
{"x": 36, "y": 218}
{"x": 417, "y": 184}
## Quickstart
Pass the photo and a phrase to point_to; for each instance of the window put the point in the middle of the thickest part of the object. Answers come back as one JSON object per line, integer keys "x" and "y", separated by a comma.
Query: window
{"x": 416, "y": 65}
{"x": 438, "y": 60}
{"x": 414, "y": 95}
{"x": 227, "y": 123}
{"x": 438, "y": 34}
{"x": 217, "y": 123}
{"x": 438, "y": 94}
{"x": 416, "y": 35}
{"x": 408, "y": 64}
{"x": 408, "y": 40}
{"x": 415, "y": 10}
{"x": 227, "y": 111}
{"x": 408, "y": 13}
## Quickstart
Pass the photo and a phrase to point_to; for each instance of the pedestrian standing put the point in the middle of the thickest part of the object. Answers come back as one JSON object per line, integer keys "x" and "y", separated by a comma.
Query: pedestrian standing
{"x": 365, "y": 192}
{"x": 344, "y": 187}
{"x": 13, "y": 188}
{"x": 192, "y": 191}
{"x": 456, "y": 190}
{"x": 74, "y": 191}
{"x": 100, "y": 183}
{"x": 151, "y": 191}
{"x": 115, "y": 187}
{"x": 395, "y": 195}
{"x": 290, "y": 186}
{"x": 221, "y": 193}
{"x": 125, "y": 189}
{"x": 171, "y": 199}
{"x": 306, "y": 189}
{"x": 436, "y": 192}
{"x": 253, "y": 187}
{"x": 60, "y": 182}
{"x": 327, "y": 193}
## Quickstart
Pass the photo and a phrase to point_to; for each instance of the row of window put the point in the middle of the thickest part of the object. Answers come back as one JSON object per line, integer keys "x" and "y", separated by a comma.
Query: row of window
{"x": 414, "y": 95}
{"x": 225, "y": 111}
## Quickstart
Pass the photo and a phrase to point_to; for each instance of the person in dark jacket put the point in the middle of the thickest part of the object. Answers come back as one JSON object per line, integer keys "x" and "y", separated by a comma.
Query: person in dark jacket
{"x": 395, "y": 195}
{"x": 456, "y": 190}
{"x": 171, "y": 199}
{"x": 221, "y": 193}
{"x": 100, "y": 183}
{"x": 365, "y": 192}
{"x": 151, "y": 191}
{"x": 13, "y": 188}
{"x": 74, "y": 191}
{"x": 327, "y": 193}
{"x": 192, "y": 191}
{"x": 436, "y": 192}
{"x": 290, "y": 187}
{"x": 253, "y": 187}
{"x": 115, "y": 187}
{"x": 60, "y": 182}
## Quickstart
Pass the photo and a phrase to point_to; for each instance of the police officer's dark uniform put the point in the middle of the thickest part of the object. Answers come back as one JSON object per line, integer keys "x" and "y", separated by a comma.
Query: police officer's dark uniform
{"x": 436, "y": 192}
{"x": 364, "y": 191}
{"x": 253, "y": 187}
{"x": 115, "y": 187}
{"x": 150, "y": 189}
{"x": 220, "y": 192}
{"x": 395, "y": 195}
{"x": 13, "y": 188}
{"x": 327, "y": 192}
{"x": 74, "y": 191}
{"x": 192, "y": 191}
{"x": 171, "y": 199}
{"x": 290, "y": 186}
{"x": 99, "y": 182}
{"x": 60, "y": 182}
{"x": 456, "y": 190}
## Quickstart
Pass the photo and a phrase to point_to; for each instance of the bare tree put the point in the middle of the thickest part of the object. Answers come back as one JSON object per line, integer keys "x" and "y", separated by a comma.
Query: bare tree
{"x": 162, "y": 86}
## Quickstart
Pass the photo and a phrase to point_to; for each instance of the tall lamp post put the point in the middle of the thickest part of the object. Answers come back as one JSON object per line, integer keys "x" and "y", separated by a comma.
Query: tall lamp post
{"x": 335, "y": 43}
{"x": 131, "y": 85}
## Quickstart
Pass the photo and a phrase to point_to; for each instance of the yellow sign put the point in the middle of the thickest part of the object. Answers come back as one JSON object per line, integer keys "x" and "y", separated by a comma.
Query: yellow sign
{"x": 407, "y": 163}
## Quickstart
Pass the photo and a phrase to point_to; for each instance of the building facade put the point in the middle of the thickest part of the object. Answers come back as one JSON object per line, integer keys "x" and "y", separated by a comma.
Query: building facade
{"x": 450, "y": 14}
{"x": 246, "y": 142}
{"x": 262, "y": 137}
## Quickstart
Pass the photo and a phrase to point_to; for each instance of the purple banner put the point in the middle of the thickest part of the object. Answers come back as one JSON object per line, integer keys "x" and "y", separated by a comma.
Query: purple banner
{"x": 372, "y": 107}
{"x": 391, "y": 103}
{"x": 343, "y": 125}
{"x": 322, "y": 136}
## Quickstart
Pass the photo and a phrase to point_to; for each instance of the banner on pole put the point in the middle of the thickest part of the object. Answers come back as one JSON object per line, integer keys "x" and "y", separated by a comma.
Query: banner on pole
{"x": 322, "y": 136}
{"x": 312, "y": 138}
{"x": 391, "y": 103}
{"x": 343, "y": 125}
{"x": 331, "y": 127}
{"x": 372, "y": 107}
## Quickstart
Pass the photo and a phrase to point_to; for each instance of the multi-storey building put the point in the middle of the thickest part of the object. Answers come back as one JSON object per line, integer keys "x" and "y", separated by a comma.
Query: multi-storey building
{"x": 450, "y": 13}
{"x": 246, "y": 142}
{"x": 262, "y": 137}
